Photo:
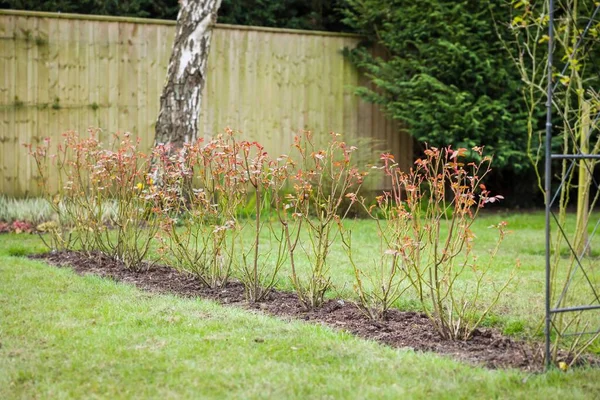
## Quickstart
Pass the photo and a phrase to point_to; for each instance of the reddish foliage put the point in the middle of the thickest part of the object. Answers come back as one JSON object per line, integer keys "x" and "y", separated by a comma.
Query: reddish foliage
{"x": 16, "y": 227}
{"x": 5, "y": 227}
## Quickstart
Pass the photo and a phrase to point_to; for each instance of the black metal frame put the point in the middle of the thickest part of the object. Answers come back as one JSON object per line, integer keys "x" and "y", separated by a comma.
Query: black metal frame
{"x": 549, "y": 199}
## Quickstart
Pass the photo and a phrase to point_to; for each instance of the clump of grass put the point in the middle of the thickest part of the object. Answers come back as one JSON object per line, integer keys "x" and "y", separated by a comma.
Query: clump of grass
{"x": 514, "y": 328}
{"x": 34, "y": 210}
{"x": 18, "y": 251}
{"x": 37, "y": 210}
{"x": 18, "y": 103}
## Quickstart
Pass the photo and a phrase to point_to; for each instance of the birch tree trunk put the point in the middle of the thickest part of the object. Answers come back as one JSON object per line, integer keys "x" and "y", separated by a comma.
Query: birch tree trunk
{"x": 181, "y": 97}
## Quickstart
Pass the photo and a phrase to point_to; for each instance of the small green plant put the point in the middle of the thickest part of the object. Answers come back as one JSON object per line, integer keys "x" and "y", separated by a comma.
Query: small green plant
{"x": 41, "y": 41}
{"x": 383, "y": 285}
{"x": 266, "y": 179}
{"x": 323, "y": 178}
{"x": 200, "y": 199}
{"x": 424, "y": 224}
{"x": 18, "y": 251}
{"x": 204, "y": 190}
{"x": 18, "y": 103}
{"x": 514, "y": 328}
{"x": 27, "y": 36}
{"x": 61, "y": 233}
{"x": 90, "y": 180}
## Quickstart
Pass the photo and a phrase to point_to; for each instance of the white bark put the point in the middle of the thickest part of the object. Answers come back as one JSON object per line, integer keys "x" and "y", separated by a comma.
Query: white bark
{"x": 181, "y": 98}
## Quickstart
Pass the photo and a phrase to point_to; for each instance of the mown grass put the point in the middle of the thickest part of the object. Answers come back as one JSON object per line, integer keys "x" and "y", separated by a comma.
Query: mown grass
{"x": 67, "y": 336}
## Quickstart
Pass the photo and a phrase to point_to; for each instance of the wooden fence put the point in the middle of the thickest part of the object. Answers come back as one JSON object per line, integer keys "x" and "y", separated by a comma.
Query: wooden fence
{"x": 63, "y": 72}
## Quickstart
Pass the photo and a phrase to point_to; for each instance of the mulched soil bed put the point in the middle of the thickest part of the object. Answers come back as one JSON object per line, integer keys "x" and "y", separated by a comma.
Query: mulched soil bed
{"x": 401, "y": 329}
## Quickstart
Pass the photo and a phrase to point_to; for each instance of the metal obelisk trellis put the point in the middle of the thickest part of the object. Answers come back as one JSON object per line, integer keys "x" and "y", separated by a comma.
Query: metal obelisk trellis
{"x": 550, "y": 198}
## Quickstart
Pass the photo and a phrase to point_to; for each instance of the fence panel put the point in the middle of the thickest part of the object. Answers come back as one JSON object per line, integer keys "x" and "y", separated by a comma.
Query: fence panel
{"x": 62, "y": 72}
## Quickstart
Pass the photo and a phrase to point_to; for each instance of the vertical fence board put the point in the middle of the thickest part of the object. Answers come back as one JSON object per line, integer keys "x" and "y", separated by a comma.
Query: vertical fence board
{"x": 91, "y": 79}
{"x": 166, "y": 37}
{"x": 41, "y": 114}
{"x": 60, "y": 99}
{"x": 112, "y": 79}
{"x": 72, "y": 86}
{"x": 85, "y": 112}
{"x": 28, "y": 180}
{"x": 123, "y": 80}
{"x": 152, "y": 73}
{"x": 141, "y": 66}
{"x": 24, "y": 37}
{"x": 8, "y": 57}
{"x": 300, "y": 87}
{"x": 132, "y": 75}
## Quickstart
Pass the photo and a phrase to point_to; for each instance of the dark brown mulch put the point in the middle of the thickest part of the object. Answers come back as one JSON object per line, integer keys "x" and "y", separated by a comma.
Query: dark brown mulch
{"x": 401, "y": 329}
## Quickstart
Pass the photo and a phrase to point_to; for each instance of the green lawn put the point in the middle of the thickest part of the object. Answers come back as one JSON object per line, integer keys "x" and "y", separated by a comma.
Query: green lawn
{"x": 66, "y": 336}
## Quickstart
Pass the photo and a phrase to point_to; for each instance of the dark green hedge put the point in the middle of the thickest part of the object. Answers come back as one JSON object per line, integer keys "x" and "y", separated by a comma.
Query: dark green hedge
{"x": 445, "y": 73}
{"x": 293, "y": 14}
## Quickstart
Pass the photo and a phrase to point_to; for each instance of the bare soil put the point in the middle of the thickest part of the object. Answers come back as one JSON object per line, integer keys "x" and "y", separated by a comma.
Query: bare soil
{"x": 401, "y": 329}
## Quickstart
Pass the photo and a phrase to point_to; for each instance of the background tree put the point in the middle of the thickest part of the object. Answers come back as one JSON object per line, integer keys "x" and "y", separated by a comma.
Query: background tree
{"x": 165, "y": 9}
{"x": 293, "y": 14}
{"x": 322, "y": 15}
{"x": 180, "y": 100}
{"x": 445, "y": 74}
